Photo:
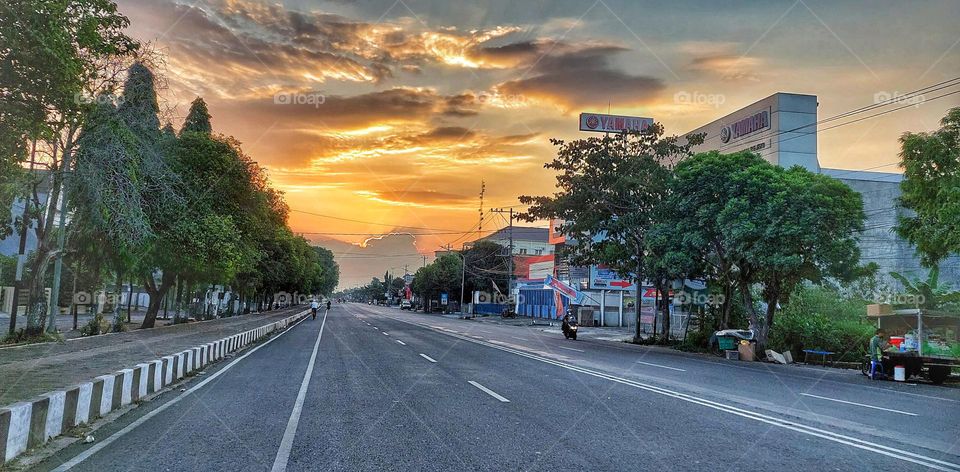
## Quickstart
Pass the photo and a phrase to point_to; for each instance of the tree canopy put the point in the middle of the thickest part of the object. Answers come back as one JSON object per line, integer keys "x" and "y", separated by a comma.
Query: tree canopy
{"x": 609, "y": 192}
{"x": 931, "y": 190}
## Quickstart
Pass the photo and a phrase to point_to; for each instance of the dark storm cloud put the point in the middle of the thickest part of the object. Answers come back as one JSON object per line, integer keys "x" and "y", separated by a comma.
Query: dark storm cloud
{"x": 568, "y": 75}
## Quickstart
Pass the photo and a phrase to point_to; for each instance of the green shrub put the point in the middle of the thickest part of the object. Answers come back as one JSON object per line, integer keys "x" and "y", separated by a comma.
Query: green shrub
{"x": 96, "y": 325}
{"x": 22, "y": 336}
{"x": 819, "y": 318}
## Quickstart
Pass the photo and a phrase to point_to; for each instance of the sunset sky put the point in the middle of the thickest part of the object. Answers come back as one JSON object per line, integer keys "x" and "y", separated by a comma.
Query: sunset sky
{"x": 424, "y": 99}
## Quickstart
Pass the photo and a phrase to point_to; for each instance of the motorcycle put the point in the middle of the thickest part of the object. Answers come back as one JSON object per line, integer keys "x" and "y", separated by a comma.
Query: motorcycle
{"x": 569, "y": 327}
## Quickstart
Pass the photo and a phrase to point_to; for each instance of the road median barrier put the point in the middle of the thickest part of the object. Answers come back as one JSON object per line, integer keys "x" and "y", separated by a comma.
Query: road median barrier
{"x": 28, "y": 424}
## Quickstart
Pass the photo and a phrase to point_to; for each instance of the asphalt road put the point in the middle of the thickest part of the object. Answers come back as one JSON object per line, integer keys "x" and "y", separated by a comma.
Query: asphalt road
{"x": 373, "y": 388}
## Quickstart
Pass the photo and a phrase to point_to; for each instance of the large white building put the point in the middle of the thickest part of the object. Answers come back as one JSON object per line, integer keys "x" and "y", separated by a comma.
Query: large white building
{"x": 782, "y": 129}
{"x": 527, "y": 241}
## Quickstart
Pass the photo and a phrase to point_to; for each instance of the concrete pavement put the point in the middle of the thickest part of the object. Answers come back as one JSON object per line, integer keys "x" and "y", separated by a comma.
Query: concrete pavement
{"x": 391, "y": 390}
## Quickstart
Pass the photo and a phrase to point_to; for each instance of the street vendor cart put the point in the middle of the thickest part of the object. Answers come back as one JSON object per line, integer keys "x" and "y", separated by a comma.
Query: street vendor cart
{"x": 922, "y": 342}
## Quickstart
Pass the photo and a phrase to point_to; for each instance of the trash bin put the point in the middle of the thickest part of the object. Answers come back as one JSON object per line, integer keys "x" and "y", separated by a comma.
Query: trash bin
{"x": 726, "y": 343}
{"x": 746, "y": 350}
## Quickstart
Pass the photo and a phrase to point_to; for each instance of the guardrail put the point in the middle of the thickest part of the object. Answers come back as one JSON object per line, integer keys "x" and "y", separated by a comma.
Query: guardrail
{"x": 28, "y": 424}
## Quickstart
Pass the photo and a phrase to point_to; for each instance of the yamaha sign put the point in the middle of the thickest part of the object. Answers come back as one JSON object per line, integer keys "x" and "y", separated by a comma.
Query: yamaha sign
{"x": 746, "y": 126}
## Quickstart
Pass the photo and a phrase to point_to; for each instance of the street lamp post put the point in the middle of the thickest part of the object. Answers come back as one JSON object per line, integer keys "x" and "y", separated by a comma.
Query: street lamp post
{"x": 463, "y": 272}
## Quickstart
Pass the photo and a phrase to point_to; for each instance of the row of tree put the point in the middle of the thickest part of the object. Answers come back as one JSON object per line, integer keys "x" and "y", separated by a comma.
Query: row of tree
{"x": 155, "y": 205}
{"x": 486, "y": 267}
{"x": 646, "y": 206}
{"x": 482, "y": 266}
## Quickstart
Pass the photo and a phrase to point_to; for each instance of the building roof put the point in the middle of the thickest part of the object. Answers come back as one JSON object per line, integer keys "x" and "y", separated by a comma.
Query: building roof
{"x": 520, "y": 233}
{"x": 843, "y": 174}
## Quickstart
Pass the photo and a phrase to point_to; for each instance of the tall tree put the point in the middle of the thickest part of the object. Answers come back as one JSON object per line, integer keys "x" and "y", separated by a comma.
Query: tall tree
{"x": 198, "y": 118}
{"x": 487, "y": 267}
{"x": 54, "y": 55}
{"x": 689, "y": 237}
{"x": 931, "y": 190}
{"x": 805, "y": 227}
{"x": 609, "y": 190}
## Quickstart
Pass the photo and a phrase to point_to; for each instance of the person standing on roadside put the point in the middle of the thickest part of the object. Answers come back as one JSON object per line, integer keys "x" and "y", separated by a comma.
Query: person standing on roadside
{"x": 328, "y": 305}
{"x": 877, "y": 345}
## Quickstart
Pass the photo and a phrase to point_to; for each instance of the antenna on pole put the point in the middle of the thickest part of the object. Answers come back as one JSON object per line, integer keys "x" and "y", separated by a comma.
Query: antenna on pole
{"x": 483, "y": 189}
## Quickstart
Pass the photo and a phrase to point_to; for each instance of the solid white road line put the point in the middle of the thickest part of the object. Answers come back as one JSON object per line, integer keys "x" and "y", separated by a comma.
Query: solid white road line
{"x": 570, "y": 349}
{"x": 143, "y": 419}
{"x": 286, "y": 444}
{"x": 866, "y": 445}
{"x": 489, "y": 392}
{"x": 427, "y": 358}
{"x": 660, "y": 366}
{"x": 401, "y": 343}
{"x": 860, "y": 404}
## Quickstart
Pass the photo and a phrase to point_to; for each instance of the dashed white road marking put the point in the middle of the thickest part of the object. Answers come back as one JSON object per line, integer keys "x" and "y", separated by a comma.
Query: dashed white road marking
{"x": 570, "y": 349}
{"x": 401, "y": 343}
{"x": 660, "y": 366}
{"x": 286, "y": 443}
{"x": 489, "y": 392}
{"x": 428, "y": 358}
{"x": 866, "y": 445}
{"x": 386, "y": 333}
{"x": 860, "y": 404}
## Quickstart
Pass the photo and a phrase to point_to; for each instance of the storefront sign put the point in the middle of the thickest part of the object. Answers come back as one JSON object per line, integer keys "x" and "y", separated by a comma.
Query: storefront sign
{"x": 749, "y": 125}
{"x": 603, "y": 278}
{"x": 612, "y": 123}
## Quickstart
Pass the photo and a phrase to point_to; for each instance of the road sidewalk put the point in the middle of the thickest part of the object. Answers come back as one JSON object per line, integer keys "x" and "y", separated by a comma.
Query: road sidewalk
{"x": 617, "y": 334}
{"x": 30, "y": 370}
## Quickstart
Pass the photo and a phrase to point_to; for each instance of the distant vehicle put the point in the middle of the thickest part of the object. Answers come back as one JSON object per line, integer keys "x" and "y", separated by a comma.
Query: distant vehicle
{"x": 406, "y": 305}
{"x": 570, "y": 326}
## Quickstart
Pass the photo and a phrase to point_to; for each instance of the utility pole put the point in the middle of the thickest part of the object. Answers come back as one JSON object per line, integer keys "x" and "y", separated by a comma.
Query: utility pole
{"x": 509, "y": 247}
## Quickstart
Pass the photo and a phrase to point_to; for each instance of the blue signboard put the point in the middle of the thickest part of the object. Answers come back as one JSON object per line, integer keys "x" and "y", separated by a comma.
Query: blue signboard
{"x": 443, "y": 298}
{"x": 603, "y": 278}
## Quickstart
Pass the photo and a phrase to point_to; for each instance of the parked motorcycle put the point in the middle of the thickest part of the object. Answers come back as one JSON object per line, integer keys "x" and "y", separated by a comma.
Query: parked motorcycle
{"x": 570, "y": 326}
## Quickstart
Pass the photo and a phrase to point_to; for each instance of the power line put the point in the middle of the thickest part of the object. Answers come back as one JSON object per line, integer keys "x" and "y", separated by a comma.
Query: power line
{"x": 890, "y": 101}
{"x": 838, "y": 125}
{"x": 898, "y": 99}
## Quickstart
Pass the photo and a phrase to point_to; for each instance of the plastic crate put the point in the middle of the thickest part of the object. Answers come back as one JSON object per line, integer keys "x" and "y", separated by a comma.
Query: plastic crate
{"x": 733, "y": 355}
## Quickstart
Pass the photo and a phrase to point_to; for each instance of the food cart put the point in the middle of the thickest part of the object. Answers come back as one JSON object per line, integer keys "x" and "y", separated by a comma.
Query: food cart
{"x": 921, "y": 341}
